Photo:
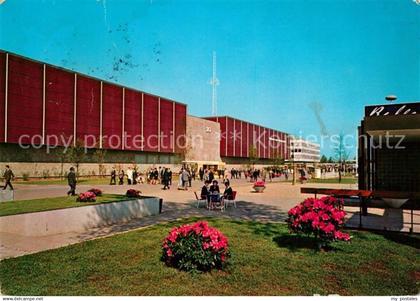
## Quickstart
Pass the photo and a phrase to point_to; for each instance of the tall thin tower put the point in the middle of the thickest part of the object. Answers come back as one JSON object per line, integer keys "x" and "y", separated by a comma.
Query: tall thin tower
{"x": 214, "y": 82}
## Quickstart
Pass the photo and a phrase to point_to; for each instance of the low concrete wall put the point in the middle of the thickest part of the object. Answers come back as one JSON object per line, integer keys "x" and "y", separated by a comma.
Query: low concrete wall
{"x": 79, "y": 219}
{"x": 6, "y": 195}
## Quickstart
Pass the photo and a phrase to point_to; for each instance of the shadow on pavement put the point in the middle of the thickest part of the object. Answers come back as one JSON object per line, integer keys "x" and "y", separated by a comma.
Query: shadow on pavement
{"x": 249, "y": 211}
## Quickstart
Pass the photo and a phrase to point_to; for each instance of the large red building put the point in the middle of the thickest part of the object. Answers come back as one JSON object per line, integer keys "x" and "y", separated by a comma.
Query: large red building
{"x": 239, "y": 138}
{"x": 39, "y": 101}
{"x": 42, "y": 105}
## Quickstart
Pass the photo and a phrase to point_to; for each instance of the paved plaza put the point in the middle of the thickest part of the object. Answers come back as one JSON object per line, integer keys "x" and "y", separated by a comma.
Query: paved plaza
{"x": 270, "y": 206}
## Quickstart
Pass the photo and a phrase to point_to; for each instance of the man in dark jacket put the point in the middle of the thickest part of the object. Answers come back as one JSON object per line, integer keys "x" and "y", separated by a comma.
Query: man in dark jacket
{"x": 170, "y": 176}
{"x": 8, "y": 176}
{"x": 71, "y": 179}
{"x": 165, "y": 179}
{"x": 228, "y": 194}
{"x": 205, "y": 193}
{"x": 211, "y": 176}
{"x": 113, "y": 176}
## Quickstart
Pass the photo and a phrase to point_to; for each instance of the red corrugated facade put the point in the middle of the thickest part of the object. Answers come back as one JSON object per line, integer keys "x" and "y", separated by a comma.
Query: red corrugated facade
{"x": 166, "y": 125}
{"x": 44, "y": 103}
{"x": 151, "y": 123}
{"x": 88, "y": 108}
{"x": 112, "y": 116}
{"x": 244, "y": 139}
{"x": 2, "y": 91}
{"x": 24, "y": 102}
{"x": 180, "y": 127}
{"x": 59, "y": 104}
{"x": 238, "y": 137}
{"x": 132, "y": 120}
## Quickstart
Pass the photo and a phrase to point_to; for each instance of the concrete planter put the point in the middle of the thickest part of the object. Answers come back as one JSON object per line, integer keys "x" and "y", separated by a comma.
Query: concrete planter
{"x": 6, "y": 195}
{"x": 79, "y": 219}
{"x": 259, "y": 188}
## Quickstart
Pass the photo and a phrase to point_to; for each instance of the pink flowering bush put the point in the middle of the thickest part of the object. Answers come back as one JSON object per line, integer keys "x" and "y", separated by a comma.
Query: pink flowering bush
{"x": 96, "y": 191}
{"x": 259, "y": 184}
{"x": 320, "y": 217}
{"x": 132, "y": 193}
{"x": 195, "y": 247}
{"x": 86, "y": 197}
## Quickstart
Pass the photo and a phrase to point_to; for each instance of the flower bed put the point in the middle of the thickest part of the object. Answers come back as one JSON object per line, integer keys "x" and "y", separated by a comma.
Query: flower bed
{"x": 195, "y": 247}
{"x": 96, "y": 191}
{"x": 319, "y": 217}
{"x": 86, "y": 197}
{"x": 133, "y": 193}
{"x": 259, "y": 186}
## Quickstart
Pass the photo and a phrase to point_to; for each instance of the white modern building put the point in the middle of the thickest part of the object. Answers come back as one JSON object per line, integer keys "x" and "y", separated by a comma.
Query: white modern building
{"x": 304, "y": 151}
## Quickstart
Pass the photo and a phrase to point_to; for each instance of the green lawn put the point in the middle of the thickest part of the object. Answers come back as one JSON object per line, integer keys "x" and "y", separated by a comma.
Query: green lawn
{"x": 266, "y": 260}
{"x": 334, "y": 181}
{"x": 26, "y": 206}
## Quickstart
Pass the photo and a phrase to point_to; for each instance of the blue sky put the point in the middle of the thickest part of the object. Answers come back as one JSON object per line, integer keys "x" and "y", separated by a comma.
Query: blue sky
{"x": 274, "y": 58}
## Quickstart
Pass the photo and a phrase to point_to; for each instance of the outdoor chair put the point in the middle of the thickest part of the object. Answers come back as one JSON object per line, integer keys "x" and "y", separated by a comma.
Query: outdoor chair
{"x": 231, "y": 200}
{"x": 200, "y": 199}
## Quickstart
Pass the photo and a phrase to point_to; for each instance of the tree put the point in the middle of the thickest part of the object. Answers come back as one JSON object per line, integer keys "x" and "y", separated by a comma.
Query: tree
{"x": 323, "y": 159}
{"x": 278, "y": 160}
{"x": 341, "y": 154}
{"x": 253, "y": 155}
{"x": 77, "y": 153}
{"x": 99, "y": 156}
{"x": 330, "y": 160}
{"x": 62, "y": 156}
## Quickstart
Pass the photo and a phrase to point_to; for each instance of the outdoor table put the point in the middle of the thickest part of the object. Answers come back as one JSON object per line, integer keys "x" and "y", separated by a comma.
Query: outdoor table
{"x": 363, "y": 195}
{"x": 412, "y": 203}
{"x": 412, "y": 196}
{"x": 215, "y": 197}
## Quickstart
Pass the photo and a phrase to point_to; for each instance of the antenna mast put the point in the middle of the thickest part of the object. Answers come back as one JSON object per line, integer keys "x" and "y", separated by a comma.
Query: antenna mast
{"x": 214, "y": 82}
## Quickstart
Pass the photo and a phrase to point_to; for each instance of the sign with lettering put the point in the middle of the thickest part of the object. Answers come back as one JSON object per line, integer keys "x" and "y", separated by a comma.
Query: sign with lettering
{"x": 393, "y": 110}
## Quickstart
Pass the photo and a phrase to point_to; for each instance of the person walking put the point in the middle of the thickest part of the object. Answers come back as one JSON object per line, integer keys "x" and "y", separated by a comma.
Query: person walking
{"x": 129, "y": 176}
{"x": 165, "y": 179}
{"x": 206, "y": 176}
{"x": 201, "y": 174}
{"x": 170, "y": 176}
{"x": 189, "y": 177}
{"x": 113, "y": 177}
{"x": 185, "y": 177}
{"x": 121, "y": 177}
{"x": 211, "y": 175}
{"x": 135, "y": 176}
{"x": 8, "y": 176}
{"x": 71, "y": 180}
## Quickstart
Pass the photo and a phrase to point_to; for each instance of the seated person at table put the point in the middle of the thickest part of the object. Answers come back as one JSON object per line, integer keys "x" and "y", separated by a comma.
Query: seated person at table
{"x": 228, "y": 193}
{"x": 214, "y": 188}
{"x": 214, "y": 196}
{"x": 205, "y": 191}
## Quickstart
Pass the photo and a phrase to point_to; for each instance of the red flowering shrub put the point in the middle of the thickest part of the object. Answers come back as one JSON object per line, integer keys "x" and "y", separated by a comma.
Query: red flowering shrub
{"x": 132, "y": 193}
{"x": 195, "y": 247}
{"x": 320, "y": 217}
{"x": 259, "y": 184}
{"x": 96, "y": 191}
{"x": 86, "y": 197}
